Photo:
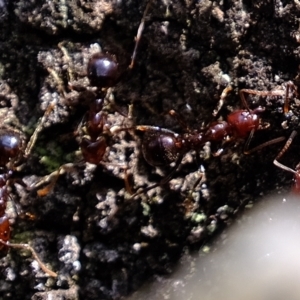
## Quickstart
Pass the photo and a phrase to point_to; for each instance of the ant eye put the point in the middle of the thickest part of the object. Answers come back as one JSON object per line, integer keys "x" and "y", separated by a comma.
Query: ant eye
{"x": 103, "y": 70}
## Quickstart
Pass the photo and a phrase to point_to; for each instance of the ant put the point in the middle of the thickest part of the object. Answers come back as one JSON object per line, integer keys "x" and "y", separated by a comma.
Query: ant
{"x": 103, "y": 73}
{"x": 162, "y": 147}
{"x": 12, "y": 150}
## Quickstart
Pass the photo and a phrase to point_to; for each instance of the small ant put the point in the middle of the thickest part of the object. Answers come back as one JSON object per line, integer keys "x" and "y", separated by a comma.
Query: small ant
{"x": 162, "y": 147}
{"x": 11, "y": 151}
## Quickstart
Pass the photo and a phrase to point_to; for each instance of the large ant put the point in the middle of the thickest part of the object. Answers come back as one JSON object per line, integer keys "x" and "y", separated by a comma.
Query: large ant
{"x": 103, "y": 73}
{"x": 12, "y": 149}
{"x": 162, "y": 147}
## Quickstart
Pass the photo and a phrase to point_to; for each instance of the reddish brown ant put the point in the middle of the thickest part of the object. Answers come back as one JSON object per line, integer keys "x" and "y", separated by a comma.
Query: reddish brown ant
{"x": 162, "y": 147}
{"x": 103, "y": 73}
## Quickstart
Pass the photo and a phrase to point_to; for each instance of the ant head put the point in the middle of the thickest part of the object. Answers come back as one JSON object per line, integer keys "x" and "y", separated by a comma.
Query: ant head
{"x": 103, "y": 70}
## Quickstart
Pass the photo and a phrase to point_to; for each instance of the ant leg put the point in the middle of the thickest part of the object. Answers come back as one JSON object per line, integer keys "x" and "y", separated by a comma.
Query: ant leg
{"x": 139, "y": 34}
{"x": 261, "y": 146}
{"x": 34, "y": 254}
{"x": 38, "y": 129}
{"x": 290, "y": 86}
{"x": 221, "y": 101}
{"x": 51, "y": 179}
{"x": 179, "y": 119}
{"x": 242, "y": 93}
{"x": 283, "y": 150}
{"x": 128, "y": 180}
{"x": 68, "y": 60}
{"x": 59, "y": 82}
{"x": 162, "y": 182}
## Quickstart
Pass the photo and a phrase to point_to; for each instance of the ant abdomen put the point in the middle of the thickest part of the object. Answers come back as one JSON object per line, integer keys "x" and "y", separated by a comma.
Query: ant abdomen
{"x": 11, "y": 146}
{"x": 4, "y": 229}
{"x": 161, "y": 147}
{"x": 103, "y": 70}
{"x": 4, "y": 223}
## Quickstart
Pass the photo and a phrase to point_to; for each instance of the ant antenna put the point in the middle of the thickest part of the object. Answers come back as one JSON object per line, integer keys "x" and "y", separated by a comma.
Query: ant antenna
{"x": 261, "y": 146}
{"x": 34, "y": 254}
{"x": 38, "y": 129}
{"x": 139, "y": 34}
{"x": 242, "y": 93}
{"x": 221, "y": 101}
{"x": 284, "y": 149}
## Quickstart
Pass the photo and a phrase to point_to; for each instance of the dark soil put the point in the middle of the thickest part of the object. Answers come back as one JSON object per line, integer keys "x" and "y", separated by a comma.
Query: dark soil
{"x": 102, "y": 243}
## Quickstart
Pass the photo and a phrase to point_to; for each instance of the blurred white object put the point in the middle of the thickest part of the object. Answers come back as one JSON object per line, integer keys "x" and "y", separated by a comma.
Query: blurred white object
{"x": 256, "y": 258}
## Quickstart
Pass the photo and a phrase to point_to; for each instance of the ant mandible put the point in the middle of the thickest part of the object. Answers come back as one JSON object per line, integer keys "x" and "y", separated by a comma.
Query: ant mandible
{"x": 162, "y": 147}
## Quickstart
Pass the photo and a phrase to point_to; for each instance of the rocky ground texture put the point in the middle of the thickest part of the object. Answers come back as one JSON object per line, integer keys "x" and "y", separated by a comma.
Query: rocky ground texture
{"x": 102, "y": 243}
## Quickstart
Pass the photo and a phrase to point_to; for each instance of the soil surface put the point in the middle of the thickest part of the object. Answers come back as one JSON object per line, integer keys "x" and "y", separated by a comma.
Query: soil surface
{"x": 102, "y": 242}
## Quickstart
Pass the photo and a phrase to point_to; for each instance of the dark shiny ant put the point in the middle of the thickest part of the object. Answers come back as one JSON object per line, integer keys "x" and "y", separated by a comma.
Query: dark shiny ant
{"x": 12, "y": 149}
{"x": 161, "y": 147}
{"x": 104, "y": 73}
